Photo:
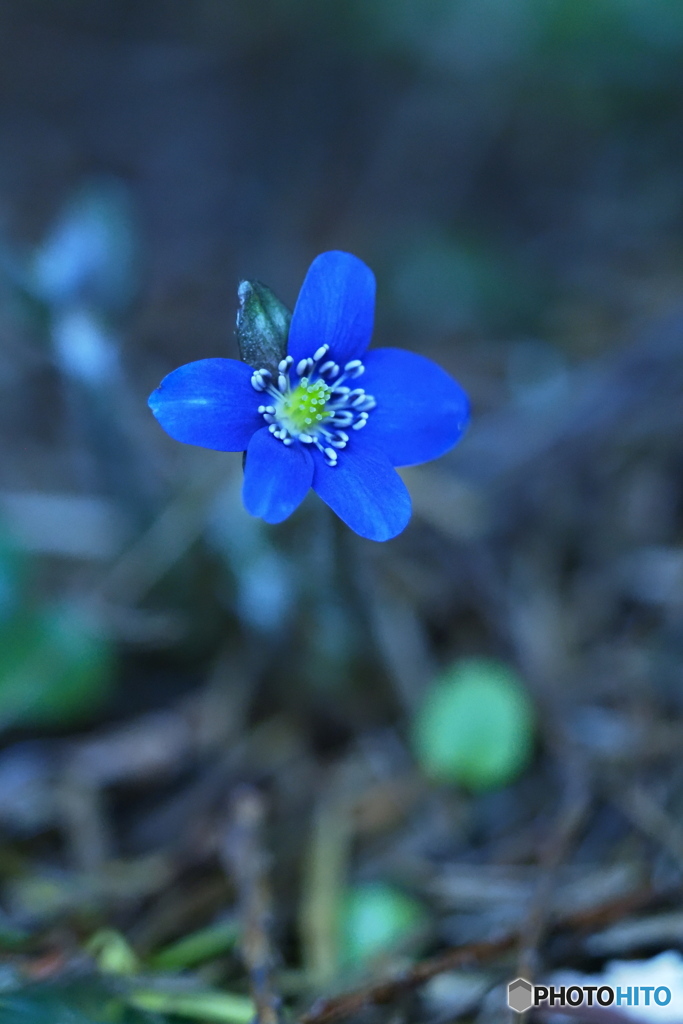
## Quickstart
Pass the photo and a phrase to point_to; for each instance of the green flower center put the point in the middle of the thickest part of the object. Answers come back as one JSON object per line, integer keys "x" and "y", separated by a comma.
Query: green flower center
{"x": 304, "y": 408}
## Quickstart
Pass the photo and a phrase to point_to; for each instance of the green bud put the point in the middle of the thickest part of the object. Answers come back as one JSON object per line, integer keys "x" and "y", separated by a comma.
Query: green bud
{"x": 476, "y": 726}
{"x": 376, "y": 920}
{"x": 262, "y": 326}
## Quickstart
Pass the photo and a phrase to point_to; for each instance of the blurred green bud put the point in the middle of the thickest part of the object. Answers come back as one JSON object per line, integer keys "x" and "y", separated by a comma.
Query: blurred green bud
{"x": 262, "y": 326}
{"x": 376, "y": 920}
{"x": 476, "y": 726}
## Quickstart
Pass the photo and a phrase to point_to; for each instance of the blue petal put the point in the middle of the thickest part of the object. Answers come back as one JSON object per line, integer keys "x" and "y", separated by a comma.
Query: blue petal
{"x": 210, "y": 403}
{"x": 364, "y": 490}
{"x": 421, "y": 411}
{"x": 336, "y": 307}
{"x": 276, "y": 477}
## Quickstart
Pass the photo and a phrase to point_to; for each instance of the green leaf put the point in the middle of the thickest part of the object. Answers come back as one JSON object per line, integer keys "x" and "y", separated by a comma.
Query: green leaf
{"x": 54, "y": 668}
{"x": 262, "y": 326}
{"x": 219, "y": 1007}
{"x": 199, "y": 946}
{"x": 112, "y": 953}
{"x": 476, "y": 726}
{"x": 376, "y": 919}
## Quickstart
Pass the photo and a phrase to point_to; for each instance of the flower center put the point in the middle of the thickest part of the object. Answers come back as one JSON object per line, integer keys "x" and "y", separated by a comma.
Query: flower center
{"x": 317, "y": 407}
{"x": 304, "y": 409}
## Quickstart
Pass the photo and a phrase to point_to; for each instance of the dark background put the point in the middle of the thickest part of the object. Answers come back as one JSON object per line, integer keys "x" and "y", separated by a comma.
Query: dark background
{"x": 512, "y": 172}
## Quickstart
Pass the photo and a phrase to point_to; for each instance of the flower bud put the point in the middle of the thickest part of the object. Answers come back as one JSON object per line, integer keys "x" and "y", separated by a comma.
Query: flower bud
{"x": 262, "y": 326}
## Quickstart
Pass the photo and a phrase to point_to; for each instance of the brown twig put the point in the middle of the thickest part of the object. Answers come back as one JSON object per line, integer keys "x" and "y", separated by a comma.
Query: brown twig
{"x": 571, "y": 818}
{"x": 245, "y": 859}
{"x": 327, "y": 1011}
{"x": 643, "y": 811}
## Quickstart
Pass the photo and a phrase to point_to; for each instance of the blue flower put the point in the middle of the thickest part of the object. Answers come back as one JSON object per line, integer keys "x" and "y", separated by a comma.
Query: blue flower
{"x": 314, "y": 426}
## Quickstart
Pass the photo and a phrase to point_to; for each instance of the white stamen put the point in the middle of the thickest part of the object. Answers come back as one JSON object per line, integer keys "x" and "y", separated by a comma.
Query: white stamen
{"x": 354, "y": 368}
{"x": 343, "y": 418}
{"x": 329, "y": 369}
{"x": 321, "y": 408}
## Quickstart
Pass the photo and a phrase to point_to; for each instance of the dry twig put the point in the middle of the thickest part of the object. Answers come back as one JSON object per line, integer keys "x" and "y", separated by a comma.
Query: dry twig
{"x": 245, "y": 859}
{"x": 571, "y": 817}
{"x": 327, "y": 1011}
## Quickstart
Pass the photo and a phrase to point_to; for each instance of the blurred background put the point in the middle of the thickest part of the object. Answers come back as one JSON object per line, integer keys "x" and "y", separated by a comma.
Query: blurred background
{"x": 470, "y": 732}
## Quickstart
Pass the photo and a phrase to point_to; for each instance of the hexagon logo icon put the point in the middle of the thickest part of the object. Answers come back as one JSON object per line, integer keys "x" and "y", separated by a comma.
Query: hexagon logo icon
{"x": 519, "y": 995}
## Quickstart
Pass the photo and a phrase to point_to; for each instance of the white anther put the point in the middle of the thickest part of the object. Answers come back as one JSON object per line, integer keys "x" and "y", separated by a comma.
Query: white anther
{"x": 320, "y": 352}
{"x": 304, "y": 367}
{"x": 354, "y": 367}
{"x": 360, "y": 422}
{"x": 306, "y": 438}
{"x": 285, "y": 364}
{"x": 287, "y": 440}
{"x": 329, "y": 369}
{"x": 282, "y": 382}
